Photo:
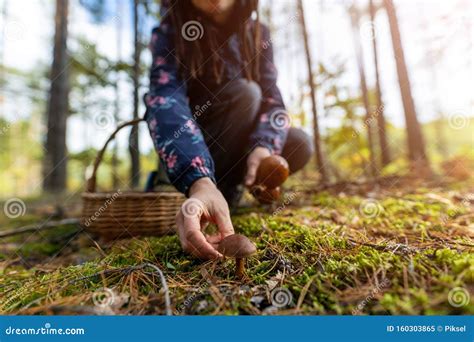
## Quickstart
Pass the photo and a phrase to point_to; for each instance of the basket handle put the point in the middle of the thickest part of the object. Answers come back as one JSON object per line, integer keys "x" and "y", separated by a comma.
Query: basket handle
{"x": 91, "y": 182}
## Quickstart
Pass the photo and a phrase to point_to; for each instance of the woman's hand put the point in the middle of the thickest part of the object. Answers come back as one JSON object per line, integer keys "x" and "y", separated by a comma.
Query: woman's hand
{"x": 253, "y": 162}
{"x": 205, "y": 205}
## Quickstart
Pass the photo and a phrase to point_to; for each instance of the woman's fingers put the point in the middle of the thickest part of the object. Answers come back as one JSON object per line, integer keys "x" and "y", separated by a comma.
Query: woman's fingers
{"x": 198, "y": 245}
{"x": 252, "y": 166}
{"x": 253, "y": 162}
{"x": 194, "y": 240}
{"x": 224, "y": 224}
{"x": 221, "y": 217}
{"x": 206, "y": 204}
{"x": 214, "y": 239}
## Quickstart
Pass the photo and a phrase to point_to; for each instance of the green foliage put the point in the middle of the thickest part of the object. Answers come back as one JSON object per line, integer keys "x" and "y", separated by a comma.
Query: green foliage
{"x": 331, "y": 255}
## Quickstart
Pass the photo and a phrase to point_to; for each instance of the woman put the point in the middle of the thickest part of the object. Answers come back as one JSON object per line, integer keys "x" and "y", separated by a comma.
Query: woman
{"x": 214, "y": 110}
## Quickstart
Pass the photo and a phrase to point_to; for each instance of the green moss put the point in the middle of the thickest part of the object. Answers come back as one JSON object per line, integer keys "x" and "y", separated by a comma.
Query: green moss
{"x": 329, "y": 254}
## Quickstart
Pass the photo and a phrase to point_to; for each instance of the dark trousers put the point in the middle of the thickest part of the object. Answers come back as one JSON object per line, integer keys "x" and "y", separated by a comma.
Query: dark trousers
{"x": 227, "y": 124}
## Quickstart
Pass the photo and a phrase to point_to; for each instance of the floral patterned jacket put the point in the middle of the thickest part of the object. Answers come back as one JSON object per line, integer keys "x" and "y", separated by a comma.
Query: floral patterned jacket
{"x": 177, "y": 138}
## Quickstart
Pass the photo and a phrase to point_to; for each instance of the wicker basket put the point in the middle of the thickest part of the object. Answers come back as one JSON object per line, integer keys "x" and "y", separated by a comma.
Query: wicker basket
{"x": 117, "y": 214}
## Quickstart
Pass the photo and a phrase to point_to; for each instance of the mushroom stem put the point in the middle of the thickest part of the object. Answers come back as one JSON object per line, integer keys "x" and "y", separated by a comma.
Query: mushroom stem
{"x": 239, "y": 267}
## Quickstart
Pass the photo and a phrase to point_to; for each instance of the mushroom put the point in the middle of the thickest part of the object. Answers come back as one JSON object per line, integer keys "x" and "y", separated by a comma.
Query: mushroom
{"x": 272, "y": 171}
{"x": 265, "y": 195}
{"x": 239, "y": 247}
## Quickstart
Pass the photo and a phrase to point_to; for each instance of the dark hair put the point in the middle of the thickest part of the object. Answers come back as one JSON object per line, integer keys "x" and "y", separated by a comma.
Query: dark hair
{"x": 190, "y": 52}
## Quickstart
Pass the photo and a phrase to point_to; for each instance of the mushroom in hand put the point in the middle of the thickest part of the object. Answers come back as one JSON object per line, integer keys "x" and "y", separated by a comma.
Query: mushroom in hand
{"x": 273, "y": 171}
{"x": 239, "y": 247}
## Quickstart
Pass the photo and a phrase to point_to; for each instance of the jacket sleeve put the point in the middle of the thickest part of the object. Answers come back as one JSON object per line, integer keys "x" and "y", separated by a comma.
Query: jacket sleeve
{"x": 274, "y": 121}
{"x": 176, "y": 136}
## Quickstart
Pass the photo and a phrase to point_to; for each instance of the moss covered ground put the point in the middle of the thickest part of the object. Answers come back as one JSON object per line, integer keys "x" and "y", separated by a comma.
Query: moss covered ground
{"x": 406, "y": 248}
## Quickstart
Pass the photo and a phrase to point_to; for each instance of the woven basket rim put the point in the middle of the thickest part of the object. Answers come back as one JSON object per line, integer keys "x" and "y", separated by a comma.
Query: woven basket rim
{"x": 131, "y": 193}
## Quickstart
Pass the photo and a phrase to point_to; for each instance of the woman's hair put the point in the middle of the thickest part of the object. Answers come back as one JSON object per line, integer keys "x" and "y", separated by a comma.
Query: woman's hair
{"x": 190, "y": 53}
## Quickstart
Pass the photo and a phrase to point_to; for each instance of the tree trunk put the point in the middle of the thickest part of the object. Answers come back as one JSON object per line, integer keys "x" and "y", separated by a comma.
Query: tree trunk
{"x": 381, "y": 124}
{"x": 363, "y": 86}
{"x": 320, "y": 164}
{"x": 55, "y": 160}
{"x": 416, "y": 144}
{"x": 118, "y": 28}
{"x": 133, "y": 146}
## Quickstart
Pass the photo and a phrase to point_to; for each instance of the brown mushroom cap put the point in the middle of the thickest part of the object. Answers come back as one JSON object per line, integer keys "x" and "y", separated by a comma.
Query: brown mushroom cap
{"x": 237, "y": 246}
{"x": 272, "y": 171}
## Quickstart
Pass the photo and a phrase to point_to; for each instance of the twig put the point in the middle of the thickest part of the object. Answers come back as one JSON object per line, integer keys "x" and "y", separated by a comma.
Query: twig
{"x": 163, "y": 284}
{"x": 304, "y": 290}
{"x": 34, "y": 228}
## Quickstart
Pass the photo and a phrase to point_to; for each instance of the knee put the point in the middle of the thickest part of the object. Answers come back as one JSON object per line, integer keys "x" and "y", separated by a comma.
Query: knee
{"x": 246, "y": 96}
{"x": 298, "y": 149}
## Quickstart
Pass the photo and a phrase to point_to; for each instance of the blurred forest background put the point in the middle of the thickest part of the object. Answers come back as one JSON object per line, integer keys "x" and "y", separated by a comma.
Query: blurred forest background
{"x": 383, "y": 86}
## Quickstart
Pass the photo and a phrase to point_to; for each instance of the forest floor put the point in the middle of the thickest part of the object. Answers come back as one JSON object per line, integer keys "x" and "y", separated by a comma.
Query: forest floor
{"x": 403, "y": 246}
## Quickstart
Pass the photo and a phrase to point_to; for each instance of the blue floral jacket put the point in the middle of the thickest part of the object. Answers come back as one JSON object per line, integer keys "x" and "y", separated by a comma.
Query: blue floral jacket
{"x": 185, "y": 155}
